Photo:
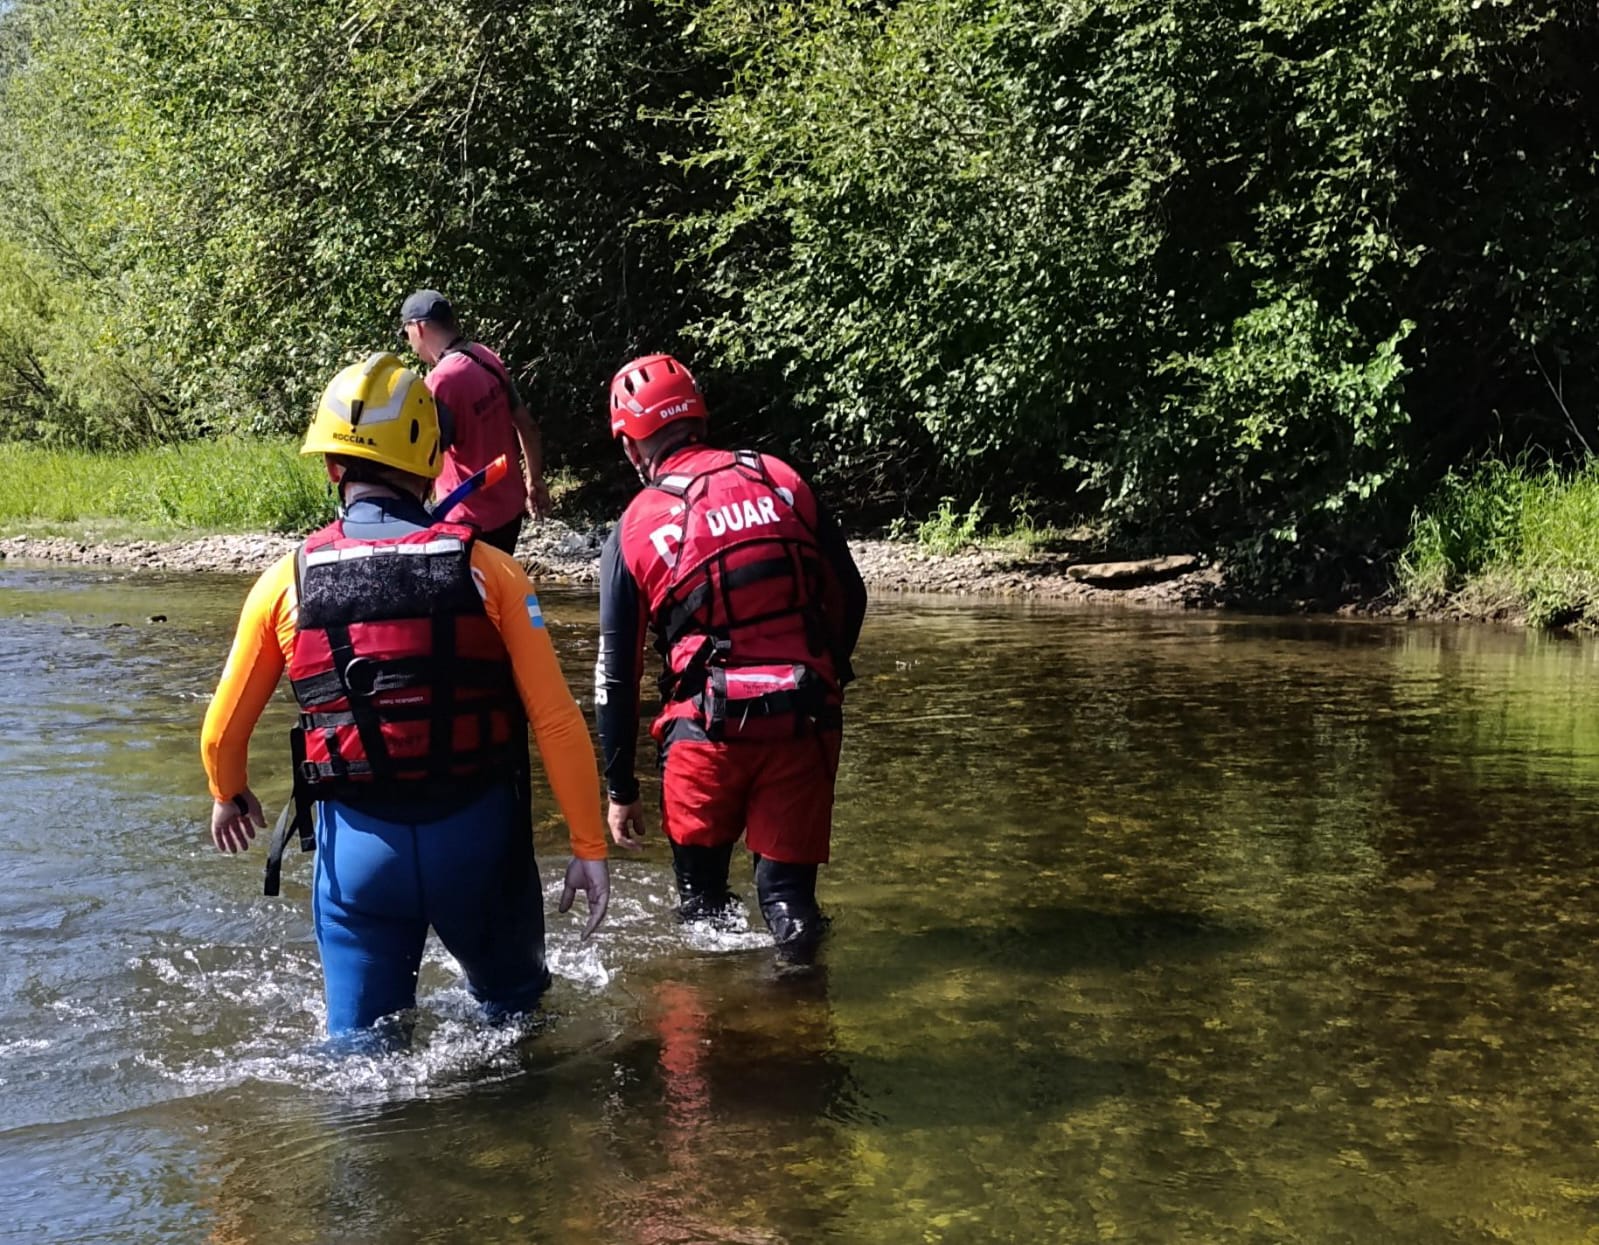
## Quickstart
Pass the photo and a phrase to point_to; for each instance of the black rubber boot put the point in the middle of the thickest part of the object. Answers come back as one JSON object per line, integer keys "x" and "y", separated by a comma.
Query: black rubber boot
{"x": 787, "y": 895}
{"x": 702, "y": 883}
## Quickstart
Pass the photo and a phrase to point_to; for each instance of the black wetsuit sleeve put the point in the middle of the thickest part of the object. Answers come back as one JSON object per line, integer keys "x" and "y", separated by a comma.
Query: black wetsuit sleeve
{"x": 836, "y": 550}
{"x": 618, "y": 669}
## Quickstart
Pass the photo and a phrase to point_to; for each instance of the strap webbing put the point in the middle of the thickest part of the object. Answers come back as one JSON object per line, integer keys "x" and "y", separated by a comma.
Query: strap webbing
{"x": 396, "y": 674}
{"x": 367, "y": 724}
{"x": 440, "y": 735}
{"x": 681, "y": 617}
{"x": 294, "y": 819}
{"x": 503, "y": 378}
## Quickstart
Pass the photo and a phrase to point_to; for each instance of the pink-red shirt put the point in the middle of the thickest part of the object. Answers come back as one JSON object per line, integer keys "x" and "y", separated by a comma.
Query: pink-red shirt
{"x": 479, "y": 404}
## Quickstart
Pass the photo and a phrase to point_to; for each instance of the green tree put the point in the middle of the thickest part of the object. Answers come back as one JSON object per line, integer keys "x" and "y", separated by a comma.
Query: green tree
{"x": 246, "y": 193}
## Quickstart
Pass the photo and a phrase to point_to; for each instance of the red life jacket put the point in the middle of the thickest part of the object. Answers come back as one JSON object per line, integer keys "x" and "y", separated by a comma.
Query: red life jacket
{"x": 400, "y": 674}
{"x": 739, "y": 592}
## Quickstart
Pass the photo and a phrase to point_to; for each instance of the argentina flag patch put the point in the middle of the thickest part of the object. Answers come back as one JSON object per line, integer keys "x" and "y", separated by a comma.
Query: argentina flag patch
{"x": 534, "y": 614}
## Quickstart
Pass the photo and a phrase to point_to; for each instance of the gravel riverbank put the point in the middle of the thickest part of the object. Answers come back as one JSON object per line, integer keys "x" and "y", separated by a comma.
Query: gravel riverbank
{"x": 554, "y": 551}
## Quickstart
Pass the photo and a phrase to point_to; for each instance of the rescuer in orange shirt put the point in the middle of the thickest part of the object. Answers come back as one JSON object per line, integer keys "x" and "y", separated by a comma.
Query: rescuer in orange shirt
{"x": 419, "y": 659}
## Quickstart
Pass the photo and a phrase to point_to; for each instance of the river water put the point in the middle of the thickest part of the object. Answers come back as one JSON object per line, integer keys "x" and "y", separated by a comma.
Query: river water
{"x": 1148, "y": 928}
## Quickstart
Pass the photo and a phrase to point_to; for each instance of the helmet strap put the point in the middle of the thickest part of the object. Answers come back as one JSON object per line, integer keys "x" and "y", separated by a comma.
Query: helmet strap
{"x": 635, "y": 458}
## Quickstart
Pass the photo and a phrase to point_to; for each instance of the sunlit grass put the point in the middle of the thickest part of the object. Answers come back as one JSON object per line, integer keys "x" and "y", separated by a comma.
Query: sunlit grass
{"x": 232, "y": 484}
{"x": 1510, "y": 536}
{"x": 950, "y": 530}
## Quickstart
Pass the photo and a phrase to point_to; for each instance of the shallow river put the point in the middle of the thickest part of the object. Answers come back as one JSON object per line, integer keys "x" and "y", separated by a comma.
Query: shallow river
{"x": 1148, "y": 928}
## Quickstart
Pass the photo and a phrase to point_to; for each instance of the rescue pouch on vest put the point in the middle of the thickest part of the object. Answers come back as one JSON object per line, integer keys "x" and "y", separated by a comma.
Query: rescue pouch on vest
{"x": 754, "y": 702}
{"x": 764, "y": 702}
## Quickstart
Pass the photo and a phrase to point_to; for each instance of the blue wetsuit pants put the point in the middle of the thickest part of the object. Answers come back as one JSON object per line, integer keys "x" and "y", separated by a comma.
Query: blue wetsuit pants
{"x": 380, "y": 883}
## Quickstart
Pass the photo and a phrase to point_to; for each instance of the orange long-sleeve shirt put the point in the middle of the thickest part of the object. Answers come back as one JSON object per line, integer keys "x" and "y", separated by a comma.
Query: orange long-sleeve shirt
{"x": 265, "y": 638}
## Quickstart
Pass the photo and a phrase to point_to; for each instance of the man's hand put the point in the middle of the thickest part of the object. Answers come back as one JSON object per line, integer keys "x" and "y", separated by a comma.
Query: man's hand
{"x": 232, "y": 827}
{"x": 538, "y": 498}
{"x": 593, "y": 878}
{"x": 627, "y": 824}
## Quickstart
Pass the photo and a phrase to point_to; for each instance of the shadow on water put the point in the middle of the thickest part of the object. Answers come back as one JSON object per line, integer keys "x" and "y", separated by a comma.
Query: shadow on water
{"x": 1054, "y": 940}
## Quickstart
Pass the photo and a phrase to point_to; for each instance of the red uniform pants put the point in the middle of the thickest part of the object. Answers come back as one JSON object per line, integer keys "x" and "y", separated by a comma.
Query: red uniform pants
{"x": 780, "y": 792}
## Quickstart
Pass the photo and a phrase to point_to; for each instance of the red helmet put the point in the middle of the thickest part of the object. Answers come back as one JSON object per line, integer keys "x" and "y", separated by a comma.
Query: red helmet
{"x": 651, "y": 392}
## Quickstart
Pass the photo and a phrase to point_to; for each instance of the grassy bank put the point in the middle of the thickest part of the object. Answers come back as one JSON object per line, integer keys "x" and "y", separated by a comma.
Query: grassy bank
{"x": 1500, "y": 540}
{"x": 227, "y": 485}
{"x": 1509, "y": 540}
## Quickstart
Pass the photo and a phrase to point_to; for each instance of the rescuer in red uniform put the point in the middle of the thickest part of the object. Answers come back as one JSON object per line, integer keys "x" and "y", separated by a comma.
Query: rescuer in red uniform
{"x": 755, "y": 603}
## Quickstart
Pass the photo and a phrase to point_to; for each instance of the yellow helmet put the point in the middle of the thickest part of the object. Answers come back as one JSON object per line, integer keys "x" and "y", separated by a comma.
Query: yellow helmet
{"x": 381, "y": 411}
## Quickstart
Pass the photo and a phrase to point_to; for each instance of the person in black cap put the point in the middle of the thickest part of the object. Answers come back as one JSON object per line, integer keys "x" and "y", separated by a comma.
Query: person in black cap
{"x": 486, "y": 417}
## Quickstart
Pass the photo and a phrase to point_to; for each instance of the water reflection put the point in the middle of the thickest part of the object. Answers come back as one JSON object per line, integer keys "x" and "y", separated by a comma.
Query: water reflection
{"x": 726, "y": 1126}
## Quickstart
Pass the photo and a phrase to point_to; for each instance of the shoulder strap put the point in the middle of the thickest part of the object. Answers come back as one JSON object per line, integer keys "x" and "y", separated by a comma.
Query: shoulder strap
{"x": 463, "y": 532}
{"x": 502, "y": 377}
{"x": 674, "y": 485}
{"x": 750, "y": 460}
{"x": 336, "y": 529}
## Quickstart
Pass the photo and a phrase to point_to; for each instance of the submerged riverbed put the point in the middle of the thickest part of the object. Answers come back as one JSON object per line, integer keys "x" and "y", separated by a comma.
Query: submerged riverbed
{"x": 1148, "y": 928}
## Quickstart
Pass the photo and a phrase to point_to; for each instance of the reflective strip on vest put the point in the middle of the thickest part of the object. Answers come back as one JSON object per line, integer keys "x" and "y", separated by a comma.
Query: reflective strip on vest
{"x": 447, "y": 544}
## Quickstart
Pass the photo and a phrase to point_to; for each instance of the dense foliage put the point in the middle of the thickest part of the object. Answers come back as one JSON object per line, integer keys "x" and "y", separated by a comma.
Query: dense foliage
{"x": 222, "y": 204}
{"x": 1249, "y": 275}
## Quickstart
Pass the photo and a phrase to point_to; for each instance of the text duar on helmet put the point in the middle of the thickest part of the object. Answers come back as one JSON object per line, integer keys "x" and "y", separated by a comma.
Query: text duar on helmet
{"x": 651, "y": 392}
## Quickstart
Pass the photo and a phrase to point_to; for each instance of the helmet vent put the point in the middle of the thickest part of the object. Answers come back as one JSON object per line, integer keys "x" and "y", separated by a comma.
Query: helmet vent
{"x": 416, "y": 431}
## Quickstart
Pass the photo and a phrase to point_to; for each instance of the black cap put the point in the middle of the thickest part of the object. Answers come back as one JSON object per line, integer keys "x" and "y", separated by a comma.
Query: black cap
{"x": 427, "y": 305}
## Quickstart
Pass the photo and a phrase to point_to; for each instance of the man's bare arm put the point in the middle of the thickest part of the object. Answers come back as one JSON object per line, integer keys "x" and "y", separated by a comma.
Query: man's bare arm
{"x": 532, "y": 444}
